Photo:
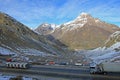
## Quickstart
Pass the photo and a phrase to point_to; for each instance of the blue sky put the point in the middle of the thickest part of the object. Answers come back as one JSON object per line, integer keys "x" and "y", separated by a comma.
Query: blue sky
{"x": 35, "y": 12}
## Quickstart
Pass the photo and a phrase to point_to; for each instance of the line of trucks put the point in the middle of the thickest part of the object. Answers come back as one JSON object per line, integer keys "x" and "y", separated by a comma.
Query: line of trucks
{"x": 19, "y": 65}
{"x": 105, "y": 67}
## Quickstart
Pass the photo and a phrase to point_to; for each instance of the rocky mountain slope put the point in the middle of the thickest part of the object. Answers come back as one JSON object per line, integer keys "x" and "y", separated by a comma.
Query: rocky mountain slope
{"x": 18, "y": 38}
{"x": 45, "y": 28}
{"x": 109, "y": 52}
{"x": 85, "y": 32}
{"x": 114, "y": 38}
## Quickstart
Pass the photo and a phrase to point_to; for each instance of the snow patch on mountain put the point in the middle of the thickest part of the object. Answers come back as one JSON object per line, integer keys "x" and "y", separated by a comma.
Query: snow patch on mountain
{"x": 104, "y": 54}
{"x": 25, "y": 51}
{"x": 46, "y": 28}
{"x": 35, "y": 52}
{"x": 115, "y": 36}
{"x": 4, "y": 51}
{"x": 97, "y": 20}
{"x": 82, "y": 16}
{"x": 53, "y": 26}
{"x": 83, "y": 13}
{"x": 79, "y": 22}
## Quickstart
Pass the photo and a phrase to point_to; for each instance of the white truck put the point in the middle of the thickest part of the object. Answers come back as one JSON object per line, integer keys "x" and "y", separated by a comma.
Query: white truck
{"x": 19, "y": 65}
{"x": 105, "y": 67}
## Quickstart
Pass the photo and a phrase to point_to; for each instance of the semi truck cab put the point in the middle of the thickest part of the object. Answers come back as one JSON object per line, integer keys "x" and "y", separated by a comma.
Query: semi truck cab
{"x": 105, "y": 67}
{"x": 94, "y": 68}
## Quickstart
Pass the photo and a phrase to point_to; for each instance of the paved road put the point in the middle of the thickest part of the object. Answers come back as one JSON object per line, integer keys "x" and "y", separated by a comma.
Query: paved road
{"x": 62, "y": 69}
{"x": 77, "y": 73}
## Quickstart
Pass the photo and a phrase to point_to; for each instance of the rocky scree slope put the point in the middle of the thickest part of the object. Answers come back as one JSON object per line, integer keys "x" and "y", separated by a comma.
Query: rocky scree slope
{"x": 18, "y": 38}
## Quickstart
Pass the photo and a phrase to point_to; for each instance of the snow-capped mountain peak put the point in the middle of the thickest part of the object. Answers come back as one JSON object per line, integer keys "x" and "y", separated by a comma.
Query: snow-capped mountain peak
{"x": 52, "y": 26}
{"x": 84, "y": 15}
{"x": 84, "y": 32}
{"x": 79, "y": 22}
{"x": 45, "y": 24}
{"x": 46, "y": 28}
{"x": 97, "y": 20}
{"x": 82, "y": 20}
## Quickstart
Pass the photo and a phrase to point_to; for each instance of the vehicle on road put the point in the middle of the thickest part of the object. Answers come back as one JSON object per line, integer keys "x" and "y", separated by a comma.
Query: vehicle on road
{"x": 63, "y": 63}
{"x": 9, "y": 60}
{"x": 105, "y": 67}
{"x": 78, "y": 64}
{"x": 19, "y": 65}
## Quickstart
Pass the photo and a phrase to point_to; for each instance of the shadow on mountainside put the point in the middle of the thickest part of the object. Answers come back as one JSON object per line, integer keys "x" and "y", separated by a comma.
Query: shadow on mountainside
{"x": 56, "y": 41}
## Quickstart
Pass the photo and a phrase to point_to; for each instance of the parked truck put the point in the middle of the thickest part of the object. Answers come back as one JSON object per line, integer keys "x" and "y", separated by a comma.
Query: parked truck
{"x": 19, "y": 65}
{"x": 105, "y": 67}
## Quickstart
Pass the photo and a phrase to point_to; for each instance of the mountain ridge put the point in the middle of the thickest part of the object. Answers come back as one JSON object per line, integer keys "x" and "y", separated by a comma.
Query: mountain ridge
{"x": 45, "y": 28}
{"x": 84, "y": 32}
{"x": 18, "y": 38}
{"x": 114, "y": 38}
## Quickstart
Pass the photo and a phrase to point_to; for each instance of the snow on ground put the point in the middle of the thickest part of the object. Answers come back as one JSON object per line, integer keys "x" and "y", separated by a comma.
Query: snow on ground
{"x": 5, "y": 51}
{"x": 104, "y": 54}
{"x": 34, "y": 52}
{"x": 5, "y": 77}
{"x": 116, "y": 59}
{"x": 45, "y": 46}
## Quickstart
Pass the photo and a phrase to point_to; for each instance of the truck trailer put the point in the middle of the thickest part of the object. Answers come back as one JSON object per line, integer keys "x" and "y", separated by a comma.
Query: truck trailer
{"x": 105, "y": 67}
{"x": 19, "y": 65}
